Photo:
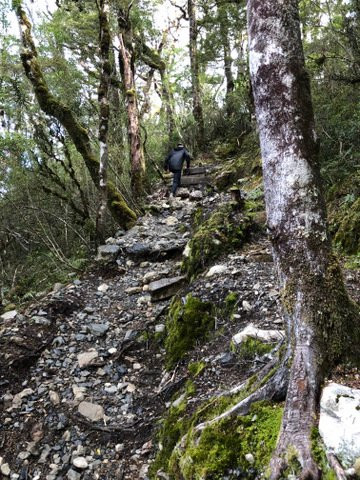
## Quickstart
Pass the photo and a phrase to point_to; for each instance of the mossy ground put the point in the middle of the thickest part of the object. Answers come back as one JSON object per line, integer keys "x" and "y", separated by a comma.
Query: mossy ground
{"x": 225, "y": 230}
{"x": 213, "y": 454}
{"x": 186, "y": 323}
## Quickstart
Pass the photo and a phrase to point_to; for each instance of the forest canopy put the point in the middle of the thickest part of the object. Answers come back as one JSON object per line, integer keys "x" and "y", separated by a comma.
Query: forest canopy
{"x": 154, "y": 73}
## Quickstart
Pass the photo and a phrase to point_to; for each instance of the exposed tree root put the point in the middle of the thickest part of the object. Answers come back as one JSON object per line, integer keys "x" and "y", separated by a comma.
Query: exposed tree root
{"x": 272, "y": 389}
{"x": 336, "y": 466}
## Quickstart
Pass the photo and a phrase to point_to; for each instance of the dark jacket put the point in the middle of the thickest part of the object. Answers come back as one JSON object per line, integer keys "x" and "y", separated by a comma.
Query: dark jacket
{"x": 176, "y": 158}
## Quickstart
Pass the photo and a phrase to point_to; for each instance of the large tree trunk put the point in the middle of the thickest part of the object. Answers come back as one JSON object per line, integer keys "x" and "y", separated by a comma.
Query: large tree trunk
{"x": 319, "y": 315}
{"x": 55, "y": 108}
{"x": 104, "y": 112}
{"x": 126, "y": 60}
{"x": 195, "y": 80}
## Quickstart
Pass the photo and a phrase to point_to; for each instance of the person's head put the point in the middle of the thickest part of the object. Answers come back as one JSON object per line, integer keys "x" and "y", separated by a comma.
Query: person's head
{"x": 180, "y": 145}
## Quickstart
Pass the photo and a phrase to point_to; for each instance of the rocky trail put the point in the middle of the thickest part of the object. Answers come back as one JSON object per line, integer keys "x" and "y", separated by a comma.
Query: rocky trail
{"x": 82, "y": 379}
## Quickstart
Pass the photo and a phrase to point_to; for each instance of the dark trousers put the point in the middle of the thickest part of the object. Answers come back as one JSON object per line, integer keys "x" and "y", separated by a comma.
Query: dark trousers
{"x": 176, "y": 181}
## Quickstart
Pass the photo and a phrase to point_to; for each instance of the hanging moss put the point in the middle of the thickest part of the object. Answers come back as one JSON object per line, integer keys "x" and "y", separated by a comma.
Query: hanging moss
{"x": 213, "y": 454}
{"x": 186, "y": 323}
{"x": 225, "y": 230}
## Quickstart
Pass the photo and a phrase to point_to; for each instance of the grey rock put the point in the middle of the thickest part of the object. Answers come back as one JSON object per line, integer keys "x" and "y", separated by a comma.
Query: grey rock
{"x": 9, "y": 315}
{"x": 217, "y": 270}
{"x": 267, "y": 336}
{"x": 80, "y": 463}
{"x": 86, "y": 358}
{"x": 339, "y": 423}
{"x": 91, "y": 411}
{"x": 108, "y": 252}
{"x": 160, "y": 328}
{"x": 73, "y": 475}
{"x": 98, "y": 329}
{"x": 166, "y": 288}
{"x": 5, "y": 469}
{"x": 196, "y": 195}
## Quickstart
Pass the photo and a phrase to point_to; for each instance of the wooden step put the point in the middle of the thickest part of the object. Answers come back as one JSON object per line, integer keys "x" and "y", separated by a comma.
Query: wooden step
{"x": 197, "y": 171}
{"x": 194, "y": 180}
{"x": 166, "y": 288}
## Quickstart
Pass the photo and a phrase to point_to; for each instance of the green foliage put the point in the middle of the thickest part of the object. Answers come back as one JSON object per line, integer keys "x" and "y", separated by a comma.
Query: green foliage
{"x": 186, "y": 323}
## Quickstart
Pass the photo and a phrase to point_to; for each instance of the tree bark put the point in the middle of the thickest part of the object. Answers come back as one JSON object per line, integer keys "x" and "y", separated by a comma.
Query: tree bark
{"x": 195, "y": 81}
{"x": 319, "y": 316}
{"x": 55, "y": 108}
{"x": 104, "y": 113}
{"x": 126, "y": 60}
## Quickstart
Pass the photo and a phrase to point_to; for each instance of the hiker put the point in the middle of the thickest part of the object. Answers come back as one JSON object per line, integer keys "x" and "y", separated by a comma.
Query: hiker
{"x": 174, "y": 163}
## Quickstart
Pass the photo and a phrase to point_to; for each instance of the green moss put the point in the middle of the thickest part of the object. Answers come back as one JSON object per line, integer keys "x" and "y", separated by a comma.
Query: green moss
{"x": 186, "y": 323}
{"x": 9, "y": 307}
{"x": 195, "y": 368}
{"x": 251, "y": 348}
{"x": 319, "y": 455}
{"x": 171, "y": 430}
{"x": 223, "y": 446}
{"x": 225, "y": 230}
{"x": 179, "y": 422}
{"x": 231, "y": 301}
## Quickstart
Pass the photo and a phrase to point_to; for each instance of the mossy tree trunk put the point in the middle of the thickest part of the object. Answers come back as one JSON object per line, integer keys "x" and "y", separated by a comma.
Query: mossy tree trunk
{"x": 195, "y": 79}
{"x": 126, "y": 60}
{"x": 319, "y": 316}
{"x": 104, "y": 112}
{"x": 55, "y": 108}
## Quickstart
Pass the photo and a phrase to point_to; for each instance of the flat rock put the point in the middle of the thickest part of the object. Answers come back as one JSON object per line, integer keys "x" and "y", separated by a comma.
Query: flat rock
{"x": 108, "y": 252}
{"x": 166, "y": 287}
{"x": 266, "y": 336}
{"x": 9, "y": 315}
{"x": 196, "y": 195}
{"x": 98, "y": 329}
{"x": 91, "y": 411}
{"x": 103, "y": 288}
{"x": 86, "y": 358}
{"x": 170, "y": 221}
{"x": 339, "y": 424}
{"x": 18, "y": 398}
{"x": 217, "y": 270}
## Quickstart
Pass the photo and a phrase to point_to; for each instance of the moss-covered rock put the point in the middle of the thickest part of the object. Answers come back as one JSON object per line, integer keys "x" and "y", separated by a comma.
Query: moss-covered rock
{"x": 186, "y": 323}
{"x": 226, "y": 229}
{"x": 223, "y": 447}
{"x": 251, "y": 348}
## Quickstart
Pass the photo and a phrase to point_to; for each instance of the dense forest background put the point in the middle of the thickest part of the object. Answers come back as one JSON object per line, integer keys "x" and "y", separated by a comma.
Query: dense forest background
{"x": 137, "y": 77}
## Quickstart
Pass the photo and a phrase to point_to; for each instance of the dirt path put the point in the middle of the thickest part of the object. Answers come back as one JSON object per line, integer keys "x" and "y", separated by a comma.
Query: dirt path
{"x": 82, "y": 379}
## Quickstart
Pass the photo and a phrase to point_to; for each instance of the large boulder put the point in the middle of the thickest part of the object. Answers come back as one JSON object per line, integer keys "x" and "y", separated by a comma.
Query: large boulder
{"x": 339, "y": 424}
